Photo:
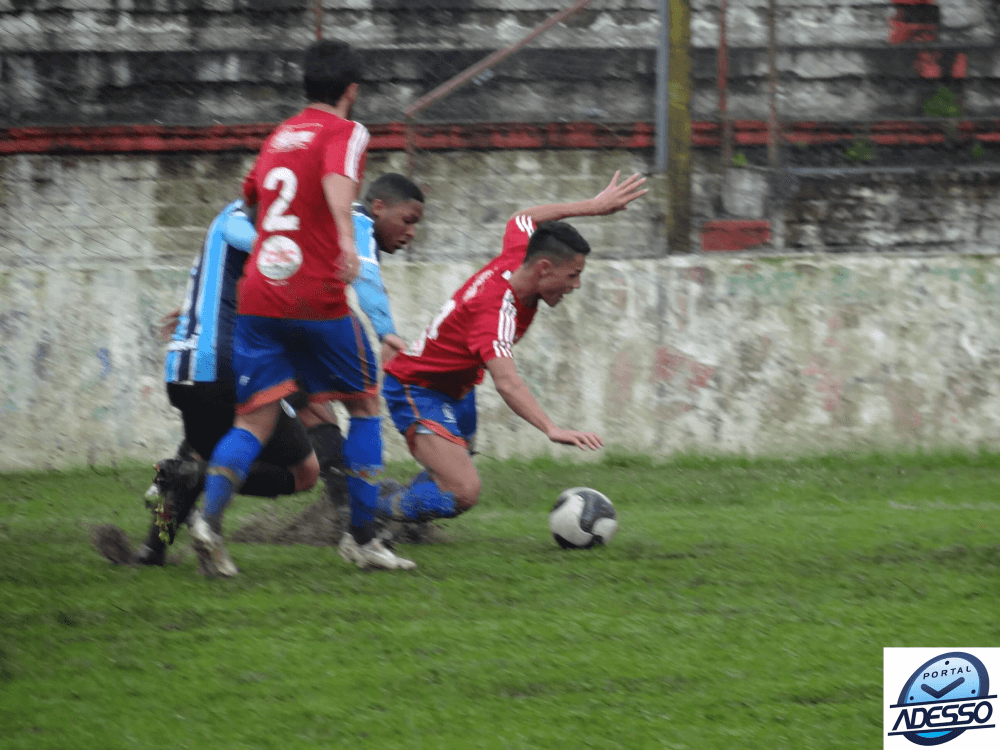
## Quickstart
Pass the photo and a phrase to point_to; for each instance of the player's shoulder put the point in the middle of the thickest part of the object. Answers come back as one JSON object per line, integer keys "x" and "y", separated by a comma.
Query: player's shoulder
{"x": 312, "y": 126}
{"x": 522, "y": 224}
{"x": 293, "y": 134}
{"x": 237, "y": 209}
{"x": 361, "y": 215}
{"x": 335, "y": 126}
{"x": 487, "y": 290}
{"x": 232, "y": 211}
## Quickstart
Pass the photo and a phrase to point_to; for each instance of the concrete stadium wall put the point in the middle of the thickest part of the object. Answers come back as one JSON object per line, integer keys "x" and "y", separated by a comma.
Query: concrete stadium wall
{"x": 798, "y": 350}
{"x": 196, "y": 62}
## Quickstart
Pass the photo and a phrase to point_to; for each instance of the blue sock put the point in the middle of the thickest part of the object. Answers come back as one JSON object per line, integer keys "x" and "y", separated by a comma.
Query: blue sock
{"x": 420, "y": 500}
{"x": 363, "y": 461}
{"x": 228, "y": 469}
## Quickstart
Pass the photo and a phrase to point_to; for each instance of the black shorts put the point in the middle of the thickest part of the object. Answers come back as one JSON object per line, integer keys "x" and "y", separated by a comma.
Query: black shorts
{"x": 208, "y": 411}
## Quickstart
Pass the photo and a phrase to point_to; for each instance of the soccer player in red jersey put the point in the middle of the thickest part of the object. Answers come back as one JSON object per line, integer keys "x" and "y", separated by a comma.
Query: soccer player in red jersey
{"x": 294, "y": 319}
{"x": 428, "y": 387}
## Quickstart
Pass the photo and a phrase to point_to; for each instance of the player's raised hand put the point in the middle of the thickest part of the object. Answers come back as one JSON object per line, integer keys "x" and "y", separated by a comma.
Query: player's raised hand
{"x": 615, "y": 197}
{"x": 582, "y": 440}
{"x": 350, "y": 266}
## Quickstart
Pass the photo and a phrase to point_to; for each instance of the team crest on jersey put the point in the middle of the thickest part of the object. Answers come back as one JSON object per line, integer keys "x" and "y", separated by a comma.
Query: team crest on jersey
{"x": 279, "y": 258}
{"x": 292, "y": 137}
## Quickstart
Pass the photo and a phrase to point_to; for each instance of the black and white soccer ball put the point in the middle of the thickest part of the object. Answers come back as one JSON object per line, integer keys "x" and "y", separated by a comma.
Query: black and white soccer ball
{"x": 581, "y": 518}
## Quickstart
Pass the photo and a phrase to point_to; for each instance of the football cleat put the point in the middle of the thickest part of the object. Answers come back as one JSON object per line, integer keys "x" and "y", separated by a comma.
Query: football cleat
{"x": 146, "y": 555}
{"x": 210, "y": 547}
{"x": 175, "y": 488}
{"x": 349, "y": 549}
{"x": 374, "y": 554}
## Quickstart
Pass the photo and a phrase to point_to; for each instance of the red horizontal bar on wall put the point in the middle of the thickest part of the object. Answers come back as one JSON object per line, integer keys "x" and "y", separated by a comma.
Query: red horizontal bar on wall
{"x": 131, "y": 138}
{"x": 733, "y": 235}
{"x": 392, "y": 136}
{"x": 384, "y": 137}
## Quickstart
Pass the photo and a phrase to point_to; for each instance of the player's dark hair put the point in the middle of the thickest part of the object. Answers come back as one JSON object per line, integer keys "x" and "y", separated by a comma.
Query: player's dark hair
{"x": 329, "y": 68}
{"x": 556, "y": 240}
{"x": 392, "y": 188}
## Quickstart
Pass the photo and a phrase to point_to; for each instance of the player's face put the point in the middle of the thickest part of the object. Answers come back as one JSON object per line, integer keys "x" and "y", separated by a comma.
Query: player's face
{"x": 395, "y": 225}
{"x": 558, "y": 280}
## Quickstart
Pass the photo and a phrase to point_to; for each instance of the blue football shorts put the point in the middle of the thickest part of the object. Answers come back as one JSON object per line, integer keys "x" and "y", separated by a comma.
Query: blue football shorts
{"x": 423, "y": 411}
{"x": 331, "y": 358}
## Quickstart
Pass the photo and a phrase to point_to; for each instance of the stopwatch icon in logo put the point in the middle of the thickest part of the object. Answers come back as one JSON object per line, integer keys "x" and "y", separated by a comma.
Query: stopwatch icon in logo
{"x": 943, "y": 698}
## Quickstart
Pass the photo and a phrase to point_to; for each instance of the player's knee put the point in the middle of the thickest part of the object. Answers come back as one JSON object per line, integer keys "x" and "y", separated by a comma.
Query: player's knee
{"x": 467, "y": 494}
{"x": 306, "y": 473}
{"x": 364, "y": 407}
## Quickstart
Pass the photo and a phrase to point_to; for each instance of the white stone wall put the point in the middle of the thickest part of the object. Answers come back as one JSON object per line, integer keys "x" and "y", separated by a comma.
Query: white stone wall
{"x": 798, "y": 350}
{"x": 773, "y": 356}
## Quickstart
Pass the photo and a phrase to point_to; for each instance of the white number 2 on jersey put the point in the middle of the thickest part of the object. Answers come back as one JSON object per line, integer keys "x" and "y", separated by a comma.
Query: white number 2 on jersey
{"x": 432, "y": 330}
{"x": 280, "y": 257}
{"x": 276, "y": 220}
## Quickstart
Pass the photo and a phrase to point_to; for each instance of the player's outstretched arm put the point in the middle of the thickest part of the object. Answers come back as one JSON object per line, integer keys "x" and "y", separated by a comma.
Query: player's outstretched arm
{"x": 517, "y": 396}
{"x": 340, "y": 192}
{"x": 615, "y": 197}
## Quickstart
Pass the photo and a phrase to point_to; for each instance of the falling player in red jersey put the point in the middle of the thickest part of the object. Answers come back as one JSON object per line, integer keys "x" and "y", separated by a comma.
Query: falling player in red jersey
{"x": 429, "y": 388}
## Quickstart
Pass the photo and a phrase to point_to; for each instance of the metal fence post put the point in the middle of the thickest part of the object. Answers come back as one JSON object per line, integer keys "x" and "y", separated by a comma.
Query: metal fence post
{"x": 663, "y": 86}
{"x": 679, "y": 123}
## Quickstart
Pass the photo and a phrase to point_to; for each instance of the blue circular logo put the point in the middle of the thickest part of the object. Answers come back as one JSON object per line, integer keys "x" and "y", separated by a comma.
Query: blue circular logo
{"x": 945, "y": 692}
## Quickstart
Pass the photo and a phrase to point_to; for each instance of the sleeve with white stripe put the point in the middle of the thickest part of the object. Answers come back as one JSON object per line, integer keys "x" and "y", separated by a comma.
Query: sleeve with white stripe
{"x": 525, "y": 224}
{"x": 356, "y": 147}
{"x": 506, "y": 327}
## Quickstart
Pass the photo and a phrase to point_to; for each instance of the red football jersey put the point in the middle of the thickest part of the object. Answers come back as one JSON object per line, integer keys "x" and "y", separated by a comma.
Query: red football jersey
{"x": 515, "y": 245}
{"x": 292, "y": 272}
{"x": 482, "y": 321}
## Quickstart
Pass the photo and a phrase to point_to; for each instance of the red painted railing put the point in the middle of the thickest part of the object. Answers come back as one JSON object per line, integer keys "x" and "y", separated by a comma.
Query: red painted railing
{"x": 392, "y": 136}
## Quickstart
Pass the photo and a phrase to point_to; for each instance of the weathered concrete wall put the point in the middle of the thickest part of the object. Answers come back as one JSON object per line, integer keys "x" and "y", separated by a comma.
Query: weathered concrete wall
{"x": 760, "y": 355}
{"x": 200, "y": 62}
{"x": 205, "y": 61}
{"x": 764, "y": 356}
{"x": 895, "y": 210}
{"x": 799, "y": 350}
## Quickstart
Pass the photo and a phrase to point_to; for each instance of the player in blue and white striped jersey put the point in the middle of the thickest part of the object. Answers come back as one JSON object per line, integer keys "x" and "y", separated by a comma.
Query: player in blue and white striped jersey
{"x": 201, "y": 384}
{"x": 202, "y": 342}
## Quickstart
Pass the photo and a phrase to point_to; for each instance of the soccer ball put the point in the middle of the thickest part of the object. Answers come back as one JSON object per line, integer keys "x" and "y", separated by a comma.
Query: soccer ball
{"x": 581, "y": 518}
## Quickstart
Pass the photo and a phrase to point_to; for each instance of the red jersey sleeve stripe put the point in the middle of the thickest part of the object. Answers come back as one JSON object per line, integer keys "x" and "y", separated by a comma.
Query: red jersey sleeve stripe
{"x": 525, "y": 224}
{"x": 355, "y": 150}
{"x": 506, "y": 327}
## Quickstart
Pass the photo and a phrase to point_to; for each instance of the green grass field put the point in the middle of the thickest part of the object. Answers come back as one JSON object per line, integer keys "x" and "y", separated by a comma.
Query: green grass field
{"x": 743, "y": 604}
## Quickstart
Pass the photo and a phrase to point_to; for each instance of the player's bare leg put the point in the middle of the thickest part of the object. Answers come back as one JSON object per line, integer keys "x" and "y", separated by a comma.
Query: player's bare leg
{"x": 448, "y": 486}
{"x": 306, "y": 473}
{"x": 450, "y": 466}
